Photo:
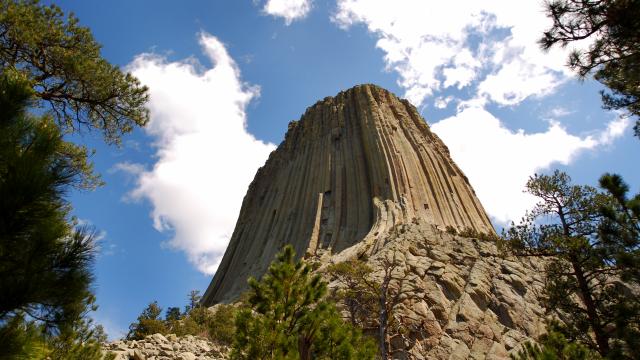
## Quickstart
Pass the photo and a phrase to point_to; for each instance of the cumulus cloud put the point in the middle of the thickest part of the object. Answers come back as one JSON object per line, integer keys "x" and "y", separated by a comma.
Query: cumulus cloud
{"x": 290, "y": 10}
{"x": 499, "y": 161}
{"x": 488, "y": 49}
{"x": 614, "y": 129}
{"x": 487, "y": 45}
{"x": 442, "y": 102}
{"x": 205, "y": 156}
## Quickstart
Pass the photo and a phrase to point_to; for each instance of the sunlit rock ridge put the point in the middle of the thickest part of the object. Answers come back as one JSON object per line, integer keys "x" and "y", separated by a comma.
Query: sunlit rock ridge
{"x": 353, "y": 165}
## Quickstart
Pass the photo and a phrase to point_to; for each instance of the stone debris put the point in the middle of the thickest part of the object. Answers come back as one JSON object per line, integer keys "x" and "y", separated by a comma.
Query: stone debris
{"x": 463, "y": 298}
{"x": 160, "y": 347}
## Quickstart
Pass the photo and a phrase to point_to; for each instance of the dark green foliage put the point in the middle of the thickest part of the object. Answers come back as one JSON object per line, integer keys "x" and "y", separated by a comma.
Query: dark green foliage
{"x": 619, "y": 232}
{"x": 475, "y": 234}
{"x": 149, "y": 323}
{"x": 451, "y": 230}
{"x": 45, "y": 258}
{"x": 26, "y": 339}
{"x": 337, "y": 340}
{"x": 215, "y": 324}
{"x": 20, "y": 339}
{"x": 555, "y": 346}
{"x": 614, "y": 54}
{"x": 81, "y": 341}
{"x": 221, "y": 327}
{"x": 586, "y": 286}
{"x": 172, "y": 314}
{"x": 289, "y": 317}
{"x": 45, "y": 261}
{"x": 63, "y": 64}
{"x": 620, "y": 228}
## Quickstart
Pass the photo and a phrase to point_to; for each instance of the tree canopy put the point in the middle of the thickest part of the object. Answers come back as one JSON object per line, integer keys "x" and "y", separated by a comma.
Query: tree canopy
{"x": 613, "y": 54}
{"x": 590, "y": 241}
{"x": 289, "y": 317}
{"x": 372, "y": 302}
{"x": 48, "y": 62}
{"x": 45, "y": 258}
{"x": 69, "y": 76}
{"x": 149, "y": 322}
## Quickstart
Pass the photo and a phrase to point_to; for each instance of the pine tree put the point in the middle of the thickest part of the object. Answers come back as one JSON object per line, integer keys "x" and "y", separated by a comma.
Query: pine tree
{"x": 613, "y": 56}
{"x": 620, "y": 228}
{"x": 172, "y": 314}
{"x": 585, "y": 285}
{"x": 370, "y": 301}
{"x": 62, "y": 61}
{"x": 149, "y": 323}
{"x": 619, "y": 232}
{"x": 194, "y": 300}
{"x": 289, "y": 318}
{"x": 555, "y": 346}
{"x": 80, "y": 340}
{"x": 45, "y": 259}
{"x": 221, "y": 326}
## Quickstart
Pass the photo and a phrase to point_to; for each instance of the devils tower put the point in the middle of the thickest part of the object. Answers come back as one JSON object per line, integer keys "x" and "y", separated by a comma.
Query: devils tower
{"x": 346, "y": 163}
{"x": 360, "y": 174}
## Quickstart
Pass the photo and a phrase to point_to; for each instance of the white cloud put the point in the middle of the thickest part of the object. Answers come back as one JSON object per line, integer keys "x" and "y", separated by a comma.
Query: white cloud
{"x": 290, "y": 10}
{"x": 205, "y": 156}
{"x": 130, "y": 168}
{"x": 615, "y": 129}
{"x": 442, "y": 102}
{"x": 487, "y": 45}
{"x": 484, "y": 52}
{"x": 516, "y": 80}
{"x": 499, "y": 161}
{"x": 559, "y": 111}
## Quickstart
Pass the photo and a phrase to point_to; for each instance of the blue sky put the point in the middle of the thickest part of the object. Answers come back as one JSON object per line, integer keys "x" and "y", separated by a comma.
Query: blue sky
{"x": 226, "y": 77}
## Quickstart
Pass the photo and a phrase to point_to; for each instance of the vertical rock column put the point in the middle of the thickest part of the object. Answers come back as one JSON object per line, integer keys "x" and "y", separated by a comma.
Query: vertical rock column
{"x": 349, "y": 159}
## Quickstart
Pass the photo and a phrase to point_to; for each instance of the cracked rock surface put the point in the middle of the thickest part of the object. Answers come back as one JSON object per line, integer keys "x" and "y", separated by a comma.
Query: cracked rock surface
{"x": 160, "y": 347}
{"x": 463, "y": 298}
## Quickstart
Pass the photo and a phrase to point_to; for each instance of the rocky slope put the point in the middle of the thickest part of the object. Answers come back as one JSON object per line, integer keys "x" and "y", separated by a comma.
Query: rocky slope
{"x": 350, "y": 160}
{"x": 462, "y": 298}
{"x": 160, "y": 347}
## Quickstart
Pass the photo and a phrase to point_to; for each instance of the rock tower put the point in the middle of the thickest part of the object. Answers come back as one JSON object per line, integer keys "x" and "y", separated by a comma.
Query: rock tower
{"x": 361, "y": 175}
{"x": 352, "y": 165}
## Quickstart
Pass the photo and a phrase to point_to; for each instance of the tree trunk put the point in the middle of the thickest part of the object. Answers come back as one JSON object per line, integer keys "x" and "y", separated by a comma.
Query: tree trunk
{"x": 382, "y": 330}
{"x": 602, "y": 340}
{"x": 304, "y": 348}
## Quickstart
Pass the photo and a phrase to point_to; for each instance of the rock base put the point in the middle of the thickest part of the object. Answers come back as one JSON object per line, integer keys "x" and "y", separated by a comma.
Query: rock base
{"x": 160, "y": 347}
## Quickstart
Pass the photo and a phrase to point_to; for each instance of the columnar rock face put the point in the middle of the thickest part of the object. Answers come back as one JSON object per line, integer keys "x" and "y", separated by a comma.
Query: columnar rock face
{"x": 354, "y": 166}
